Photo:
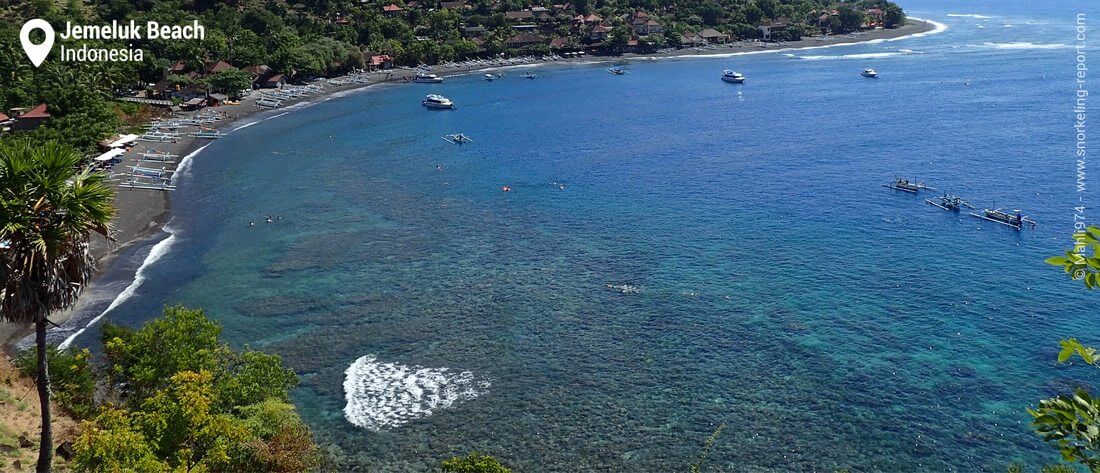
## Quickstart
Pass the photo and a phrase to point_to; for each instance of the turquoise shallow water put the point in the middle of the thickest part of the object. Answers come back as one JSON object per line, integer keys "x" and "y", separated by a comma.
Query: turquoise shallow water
{"x": 827, "y": 321}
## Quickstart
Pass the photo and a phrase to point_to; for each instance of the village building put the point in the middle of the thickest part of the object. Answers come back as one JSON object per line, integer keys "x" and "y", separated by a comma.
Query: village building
{"x": 769, "y": 28}
{"x": 30, "y": 119}
{"x": 711, "y": 35}
{"x": 380, "y": 62}
{"x": 599, "y": 32}
{"x": 523, "y": 40}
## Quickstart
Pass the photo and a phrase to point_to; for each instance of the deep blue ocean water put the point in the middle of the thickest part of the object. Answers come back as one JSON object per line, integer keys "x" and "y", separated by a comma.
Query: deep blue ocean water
{"x": 719, "y": 254}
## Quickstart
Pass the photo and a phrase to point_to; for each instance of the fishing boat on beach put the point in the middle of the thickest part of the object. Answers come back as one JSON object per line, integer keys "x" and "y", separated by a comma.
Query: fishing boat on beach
{"x": 423, "y": 78}
{"x": 949, "y": 202}
{"x": 457, "y": 138}
{"x": 1012, "y": 219}
{"x": 733, "y": 77}
{"x": 158, "y": 157}
{"x": 905, "y": 185}
{"x": 616, "y": 70}
{"x": 869, "y": 73}
{"x": 437, "y": 102}
{"x": 207, "y": 133}
{"x": 153, "y": 186}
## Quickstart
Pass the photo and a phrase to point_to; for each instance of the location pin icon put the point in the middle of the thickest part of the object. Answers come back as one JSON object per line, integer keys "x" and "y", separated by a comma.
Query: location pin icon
{"x": 36, "y": 52}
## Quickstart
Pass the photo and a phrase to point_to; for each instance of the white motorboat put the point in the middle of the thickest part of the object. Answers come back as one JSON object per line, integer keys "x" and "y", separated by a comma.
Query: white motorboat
{"x": 733, "y": 77}
{"x": 437, "y": 102}
{"x": 871, "y": 73}
{"x": 422, "y": 78}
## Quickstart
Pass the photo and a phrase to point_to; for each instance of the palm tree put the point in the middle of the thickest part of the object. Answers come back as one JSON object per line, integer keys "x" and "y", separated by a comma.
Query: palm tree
{"x": 48, "y": 210}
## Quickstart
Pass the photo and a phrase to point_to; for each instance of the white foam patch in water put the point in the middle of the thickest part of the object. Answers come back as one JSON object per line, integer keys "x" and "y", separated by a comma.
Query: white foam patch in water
{"x": 1024, "y": 45}
{"x": 155, "y": 254}
{"x": 387, "y": 395}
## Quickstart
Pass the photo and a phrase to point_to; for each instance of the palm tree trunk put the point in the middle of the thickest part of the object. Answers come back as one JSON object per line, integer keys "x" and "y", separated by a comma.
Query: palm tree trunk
{"x": 45, "y": 446}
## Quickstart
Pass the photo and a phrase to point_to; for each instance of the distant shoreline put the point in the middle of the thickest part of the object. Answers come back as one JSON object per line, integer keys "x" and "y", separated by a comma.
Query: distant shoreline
{"x": 142, "y": 214}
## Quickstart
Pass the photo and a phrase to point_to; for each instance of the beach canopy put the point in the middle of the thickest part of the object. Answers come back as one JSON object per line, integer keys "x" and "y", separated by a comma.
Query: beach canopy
{"x": 113, "y": 153}
{"x": 123, "y": 141}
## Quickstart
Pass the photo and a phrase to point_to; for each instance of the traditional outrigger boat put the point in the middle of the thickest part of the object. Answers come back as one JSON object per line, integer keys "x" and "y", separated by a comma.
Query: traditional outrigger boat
{"x": 158, "y": 157}
{"x": 1012, "y": 219}
{"x": 156, "y": 186}
{"x": 949, "y": 202}
{"x": 457, "y": 138}
{"x": 207, "y": 133}
{"x": 906, "y": 185}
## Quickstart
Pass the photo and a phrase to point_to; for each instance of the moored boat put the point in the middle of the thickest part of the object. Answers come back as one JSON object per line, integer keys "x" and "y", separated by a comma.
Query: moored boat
{"x": 733, "y": 77}
{"x": 616, "y": 70}
{"x": 489, "y": 77}
{"x": 1012, "y": 219}
{"x": 439, "y": 102}
{"x": 903, "y": 184}
{"x": 457, "y": 138}
{"x": 949, "y": 202}
{"x": 423, "y": 78}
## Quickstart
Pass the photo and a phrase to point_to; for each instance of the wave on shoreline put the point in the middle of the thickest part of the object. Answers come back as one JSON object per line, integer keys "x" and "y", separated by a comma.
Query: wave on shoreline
{"x": 387, "y": 395}
{"x": 157, "y": 252}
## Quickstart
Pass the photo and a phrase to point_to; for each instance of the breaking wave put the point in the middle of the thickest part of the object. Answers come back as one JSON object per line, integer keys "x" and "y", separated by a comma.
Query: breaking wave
{"x": 387, "y": 395}
{"x": 1024, "y": 45}
{"x": 859, "y": 56}
{"x": 155, "y": 254}
{"x": 969, "y": 15}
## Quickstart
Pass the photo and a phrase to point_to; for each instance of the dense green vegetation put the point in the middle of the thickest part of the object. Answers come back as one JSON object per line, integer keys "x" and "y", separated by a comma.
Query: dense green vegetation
{"x": 474, "y": 463}
{"x": 180, "y": 399}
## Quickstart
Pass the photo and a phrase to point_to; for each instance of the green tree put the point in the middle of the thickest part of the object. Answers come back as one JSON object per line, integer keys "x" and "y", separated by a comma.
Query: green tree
{"x": 850, "y": 19}
{"x": 49, "y": 209}
{"x": 893, "y": 16}
{"x": 71, "y": 378}
{"x": 1077, "y": 263}
{"x": 231, "y": 81}
{"x": 474, "y": 463}
{"x": 1072, "y": 422}
{"x": 194, "y": 404}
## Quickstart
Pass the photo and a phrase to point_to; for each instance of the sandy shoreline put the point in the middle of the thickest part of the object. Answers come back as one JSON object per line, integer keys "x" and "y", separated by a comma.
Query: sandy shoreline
{"x": 141, "y": 214}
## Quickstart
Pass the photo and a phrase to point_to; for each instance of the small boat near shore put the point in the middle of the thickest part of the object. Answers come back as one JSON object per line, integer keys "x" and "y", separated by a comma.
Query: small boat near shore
{"x": 869, "y": 73}
{"x": 616, "y": 70}
{"x": 489, "y": 77}
{"x": 424, "y": 78}
{"x": 457, "y": 138}
{"x": 949, "y": 202}
{"x": 905, "y": 185}
{"x": 529, "y": 75}
{"x": 207, "y": 133}
{"x": 733, "y": 77}
{"x": 437, "y": 102}
{"x": 1012, "y": 219}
